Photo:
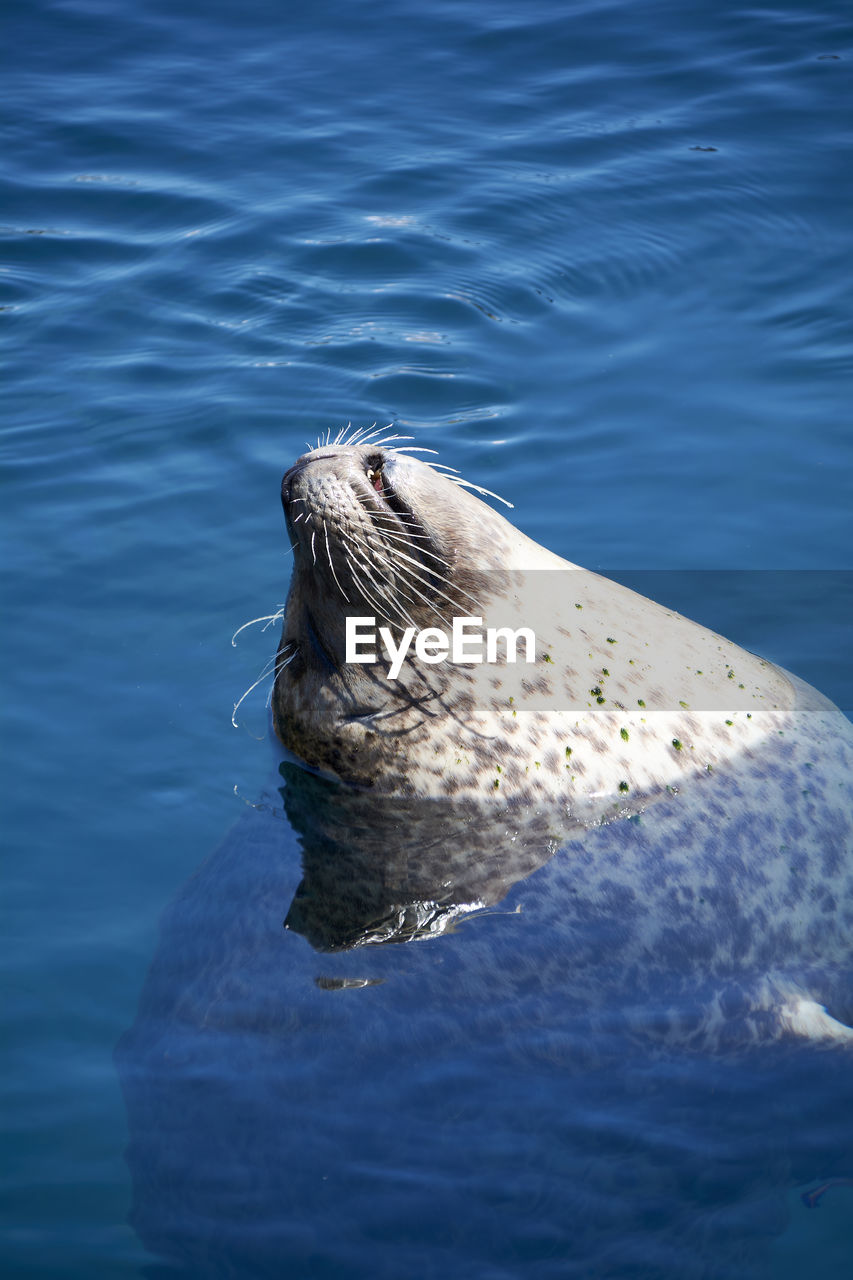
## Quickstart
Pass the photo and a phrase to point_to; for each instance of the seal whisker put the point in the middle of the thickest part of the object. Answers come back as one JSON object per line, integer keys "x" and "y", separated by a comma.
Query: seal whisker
{"x": 391, "y": 516}
{"x": 281, "y": 666}
{"x": 331, "y": 566}
{"x": 401, "y": 555}
{"x": 269, "y": 667}
{"x": 399, "y": 586}
{"x": 367, "y": 596}
{"x": 392, "y": 529}
{"x": 357, "y": 432}
{"x": 361, "y": 438}
{"x": 393, "y": 534}
{"x": 384, "y": 592}
{"x": 268, "y": 619}
{"x": 403, "y": 580}
{"x": 265, "y": 675}
{"x": 275, "y": 663}
{"x": 340, "y": 438}
{"x": 365, "y": 435}
{"x": 386, "y": 443}
{"x": 392, "y": 521}
{"x": 410, "y": 448}
{"x": 405, "y": 576}
{"x": 361, "y": 434}
{"x": 468, "y": 484}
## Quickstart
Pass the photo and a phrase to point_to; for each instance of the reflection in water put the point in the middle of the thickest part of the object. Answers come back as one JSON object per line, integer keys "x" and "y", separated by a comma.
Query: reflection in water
{"x": 380, "y": 869}
{"x": 575, "y": 1066}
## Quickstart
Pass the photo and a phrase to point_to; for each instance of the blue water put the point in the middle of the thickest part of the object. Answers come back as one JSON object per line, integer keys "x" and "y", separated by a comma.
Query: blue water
{"x": 597, "y": 254}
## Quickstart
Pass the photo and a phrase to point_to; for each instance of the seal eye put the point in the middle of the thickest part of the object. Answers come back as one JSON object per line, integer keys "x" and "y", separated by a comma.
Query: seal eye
{"x": 374, "y": 475}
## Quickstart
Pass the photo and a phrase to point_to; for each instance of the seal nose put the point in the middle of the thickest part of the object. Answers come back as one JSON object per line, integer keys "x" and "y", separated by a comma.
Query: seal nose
{"x": 293, "y": 473}
{"x": 369, "y": 463}
{"x": 287, "y": 481}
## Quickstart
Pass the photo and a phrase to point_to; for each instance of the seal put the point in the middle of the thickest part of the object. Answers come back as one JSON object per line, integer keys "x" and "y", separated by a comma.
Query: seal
{"x": 625, "y": 701}
{"x": 577, "y": 964}
{"x": 741, "y": 773}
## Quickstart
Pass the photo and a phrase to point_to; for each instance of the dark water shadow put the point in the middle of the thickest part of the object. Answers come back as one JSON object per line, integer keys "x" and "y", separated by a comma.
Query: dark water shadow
{"x": 382, "y": 1038}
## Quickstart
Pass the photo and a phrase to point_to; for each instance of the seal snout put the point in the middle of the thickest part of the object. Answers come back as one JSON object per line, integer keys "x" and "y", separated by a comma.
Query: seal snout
{"x": 363, "y": 470}
{"x": 290, "y": 480}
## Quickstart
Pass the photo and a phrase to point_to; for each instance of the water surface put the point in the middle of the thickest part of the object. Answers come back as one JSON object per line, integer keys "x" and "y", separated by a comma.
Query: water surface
{"x": 594, "y": 253}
